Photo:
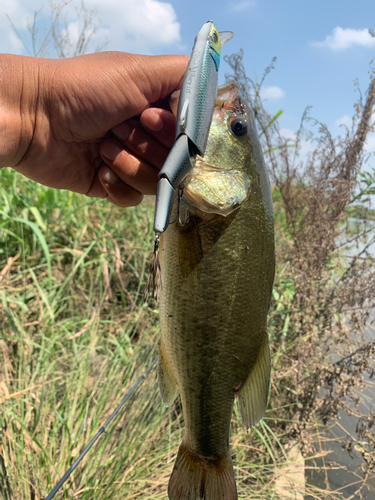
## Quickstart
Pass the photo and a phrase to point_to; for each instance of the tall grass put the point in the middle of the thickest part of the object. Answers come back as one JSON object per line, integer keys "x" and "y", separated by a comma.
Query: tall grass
{"x": 75, "y": 335}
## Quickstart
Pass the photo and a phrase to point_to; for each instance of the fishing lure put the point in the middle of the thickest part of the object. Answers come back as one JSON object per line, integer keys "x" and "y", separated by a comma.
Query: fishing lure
{"x": 194, "y": 116}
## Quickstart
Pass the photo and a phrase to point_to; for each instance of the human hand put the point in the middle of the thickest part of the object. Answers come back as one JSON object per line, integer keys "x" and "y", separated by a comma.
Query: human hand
{"x": 69, "y": 111}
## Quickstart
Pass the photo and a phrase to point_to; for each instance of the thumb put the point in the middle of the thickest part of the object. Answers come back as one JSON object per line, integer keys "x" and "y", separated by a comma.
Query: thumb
{"x": 159, "y": 76}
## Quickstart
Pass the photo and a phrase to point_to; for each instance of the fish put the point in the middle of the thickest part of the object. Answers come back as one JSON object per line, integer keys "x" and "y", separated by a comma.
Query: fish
{"x": 217, "y": 260}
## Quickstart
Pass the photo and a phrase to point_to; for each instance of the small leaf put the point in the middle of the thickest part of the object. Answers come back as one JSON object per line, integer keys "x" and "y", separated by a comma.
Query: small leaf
{"x": 43, "y": 243}
{"x": 38, "y": 218}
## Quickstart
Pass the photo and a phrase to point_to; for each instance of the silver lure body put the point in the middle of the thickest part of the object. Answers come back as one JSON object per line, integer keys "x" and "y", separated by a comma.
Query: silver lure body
{"x": 194, "y": 116}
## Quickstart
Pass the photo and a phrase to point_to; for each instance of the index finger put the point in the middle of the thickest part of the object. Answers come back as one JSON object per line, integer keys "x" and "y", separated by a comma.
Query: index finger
{"x": 161, "y": 124}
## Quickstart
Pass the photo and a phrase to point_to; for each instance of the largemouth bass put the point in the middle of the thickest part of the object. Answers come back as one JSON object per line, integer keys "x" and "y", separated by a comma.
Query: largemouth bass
{"x": 217, "y": 268}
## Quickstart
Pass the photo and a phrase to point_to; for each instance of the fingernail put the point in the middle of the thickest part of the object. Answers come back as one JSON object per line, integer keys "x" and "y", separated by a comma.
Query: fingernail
{"x": 122, "y": 131}
{"x": 110, "y": 150}
{"x": 154, "y": 122}
{"x": 109, "y": 176}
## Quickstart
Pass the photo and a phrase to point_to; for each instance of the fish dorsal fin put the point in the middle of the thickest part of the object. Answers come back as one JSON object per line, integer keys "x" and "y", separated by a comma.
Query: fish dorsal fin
{"x": 167, "y": 385}
{"x": 253, "y": 395}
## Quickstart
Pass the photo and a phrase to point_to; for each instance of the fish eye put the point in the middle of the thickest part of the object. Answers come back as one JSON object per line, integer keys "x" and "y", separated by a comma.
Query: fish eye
{"x": 239, "y": 127}
{"x": 214, "y": 37}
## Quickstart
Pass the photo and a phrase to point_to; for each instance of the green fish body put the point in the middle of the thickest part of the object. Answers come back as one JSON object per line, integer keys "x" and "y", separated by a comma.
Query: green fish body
{"x": 217, "y": 269}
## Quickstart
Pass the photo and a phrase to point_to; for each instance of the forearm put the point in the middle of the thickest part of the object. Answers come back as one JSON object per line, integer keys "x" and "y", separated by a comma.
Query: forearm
{"x": 19, "y": 96}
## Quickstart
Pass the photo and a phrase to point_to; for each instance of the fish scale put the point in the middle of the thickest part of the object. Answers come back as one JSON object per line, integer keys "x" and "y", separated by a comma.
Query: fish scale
{"x": 217, "y": 274}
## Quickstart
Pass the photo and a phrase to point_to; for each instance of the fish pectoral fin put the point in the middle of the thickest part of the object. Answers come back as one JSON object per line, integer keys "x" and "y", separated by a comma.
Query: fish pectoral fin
{"x": 253, "y": 395}
{"x": 190, "y": 251}
{"x": 167, "y": 385}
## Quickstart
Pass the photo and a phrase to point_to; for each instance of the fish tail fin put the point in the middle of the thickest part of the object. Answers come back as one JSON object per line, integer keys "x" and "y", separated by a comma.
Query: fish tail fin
{"x": 197, "y": 478}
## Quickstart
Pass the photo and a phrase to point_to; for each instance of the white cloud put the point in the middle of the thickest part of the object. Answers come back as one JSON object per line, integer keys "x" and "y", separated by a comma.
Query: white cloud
{"x": 305, "y": 146}
{"x": 143, "y": 26}
{"x": 14, "y": 43}
{"x": 345, "y": 38}
{"x": 272, "y": 93}
{"x": 286, "y": 133}
{"x": 17, "y": 12}
{"x": 370, "y": 143}
{"x": 241, "y": 6}
{"x": 344, "y": 120}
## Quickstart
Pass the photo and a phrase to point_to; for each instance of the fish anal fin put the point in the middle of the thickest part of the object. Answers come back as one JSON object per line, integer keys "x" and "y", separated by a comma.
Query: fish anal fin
{"x": 197, "y": 478}
{"x": 253, "y": 395}
{"x": 167, "y": 385}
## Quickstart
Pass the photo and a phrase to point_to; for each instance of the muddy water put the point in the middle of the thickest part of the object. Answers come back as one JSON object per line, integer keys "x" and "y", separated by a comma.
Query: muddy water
{"x": 339, "y": 471}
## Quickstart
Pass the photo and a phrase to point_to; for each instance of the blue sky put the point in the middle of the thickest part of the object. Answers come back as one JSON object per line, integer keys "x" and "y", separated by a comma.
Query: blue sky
{"x": 321, "y": 46}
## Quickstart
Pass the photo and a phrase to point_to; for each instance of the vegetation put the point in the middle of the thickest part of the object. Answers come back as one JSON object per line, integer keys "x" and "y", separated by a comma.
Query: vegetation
{"x": 75, "y": 337}
{"x": 325, "y": 283}
{"x": 76, "y": 334}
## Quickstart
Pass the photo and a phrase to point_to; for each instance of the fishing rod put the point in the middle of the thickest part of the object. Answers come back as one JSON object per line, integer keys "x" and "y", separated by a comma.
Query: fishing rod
{"x": 100, "y": 432}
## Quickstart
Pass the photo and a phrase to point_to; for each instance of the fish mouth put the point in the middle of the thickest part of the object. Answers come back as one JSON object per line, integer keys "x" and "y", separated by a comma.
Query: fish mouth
{"x": 213, "y": 190}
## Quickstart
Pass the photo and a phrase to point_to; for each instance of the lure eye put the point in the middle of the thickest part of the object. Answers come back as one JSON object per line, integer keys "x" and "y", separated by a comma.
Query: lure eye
{"x": 214, "y": 37}
{"x": 239, "y": 127}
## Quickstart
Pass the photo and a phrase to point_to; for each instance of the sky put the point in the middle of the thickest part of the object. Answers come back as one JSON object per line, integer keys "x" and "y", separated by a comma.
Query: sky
{"x": 322, "y": 47}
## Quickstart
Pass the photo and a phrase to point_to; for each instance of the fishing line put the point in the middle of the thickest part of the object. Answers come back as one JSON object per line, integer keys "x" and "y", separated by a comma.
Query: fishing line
{"x": 100, "y": 432}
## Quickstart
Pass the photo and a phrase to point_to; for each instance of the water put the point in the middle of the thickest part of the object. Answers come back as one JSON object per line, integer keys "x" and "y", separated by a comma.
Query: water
{"x": 339, "y": 471}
